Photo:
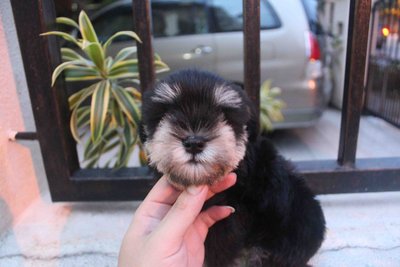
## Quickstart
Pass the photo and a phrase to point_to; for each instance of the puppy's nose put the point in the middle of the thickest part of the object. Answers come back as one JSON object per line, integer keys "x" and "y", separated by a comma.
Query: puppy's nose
{"x": 194, "y": 144}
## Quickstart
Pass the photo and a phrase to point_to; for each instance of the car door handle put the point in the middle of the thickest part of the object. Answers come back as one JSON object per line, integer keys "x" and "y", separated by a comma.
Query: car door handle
{"x": 202, "y": 49}
{"x": 198, "y": 51}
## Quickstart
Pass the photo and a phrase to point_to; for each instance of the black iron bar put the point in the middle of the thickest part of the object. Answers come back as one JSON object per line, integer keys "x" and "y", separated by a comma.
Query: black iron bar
{"x": 26, "y": 136}
{"x": 359, "y": 17}
{"x": 251, "y": 30}
{"x": 324, "y": 177}
{"x": 371, "y": 175}
{"x": 142, "y": 22}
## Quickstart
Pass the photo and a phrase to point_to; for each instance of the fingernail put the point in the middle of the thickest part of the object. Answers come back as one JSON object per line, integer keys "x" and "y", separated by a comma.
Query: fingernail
{"x": 195, "y": 190}
{"x": 231, "y": 208}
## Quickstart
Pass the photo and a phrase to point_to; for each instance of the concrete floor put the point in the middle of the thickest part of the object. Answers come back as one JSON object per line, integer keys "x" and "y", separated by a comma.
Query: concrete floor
{"x": 377, "y": 139}
{"x": 363, "y": 229}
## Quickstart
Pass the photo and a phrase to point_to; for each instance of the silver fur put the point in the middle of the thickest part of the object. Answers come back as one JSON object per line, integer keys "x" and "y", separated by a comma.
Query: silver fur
{"x": 165, "y": 93}
{"x": 226, "y": 97}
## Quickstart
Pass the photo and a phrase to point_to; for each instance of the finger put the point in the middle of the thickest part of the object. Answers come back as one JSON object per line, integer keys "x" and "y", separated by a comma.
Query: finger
{"x": 226, "y": 182}
{"x": 161, "y": 193}
{"x": 182, "y": 215}
{"x": 154, "y": 207}
{"x": 209, "y": 217}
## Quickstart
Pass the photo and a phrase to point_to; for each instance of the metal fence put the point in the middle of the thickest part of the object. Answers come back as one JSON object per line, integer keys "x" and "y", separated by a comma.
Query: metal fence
{"x": 68, "y": 182}
{"x": 383, "y": 84}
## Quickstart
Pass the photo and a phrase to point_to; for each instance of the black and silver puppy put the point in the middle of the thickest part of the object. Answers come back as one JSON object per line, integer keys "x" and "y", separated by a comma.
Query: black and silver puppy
{"x": 199, "y": 127}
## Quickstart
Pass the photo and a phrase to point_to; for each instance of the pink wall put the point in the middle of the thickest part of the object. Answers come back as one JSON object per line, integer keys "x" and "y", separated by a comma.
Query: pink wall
{"x": 18, "y": 183}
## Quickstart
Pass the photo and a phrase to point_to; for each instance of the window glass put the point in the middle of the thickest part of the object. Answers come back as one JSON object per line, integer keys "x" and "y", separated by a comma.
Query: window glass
{"x": 113, "y": 20}
{"x": 228, "y": 15}
{"x": 311, "y": 9}
{"x": 179, "y": 18}
{"x": 170, "y": 18}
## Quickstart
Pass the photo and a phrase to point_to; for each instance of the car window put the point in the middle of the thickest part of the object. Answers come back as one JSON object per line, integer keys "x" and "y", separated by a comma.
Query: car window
{"x": 170, "y": 18}
{"x": 111, "y": 21}
{"x": 228, "y": 15}
{"x": 311, "y": 9}
{"x": 179, "y": 18}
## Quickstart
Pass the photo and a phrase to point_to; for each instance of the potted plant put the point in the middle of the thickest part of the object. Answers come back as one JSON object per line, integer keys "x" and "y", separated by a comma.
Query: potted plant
{"x": 104, "y": 115}
{"x": 270, "y": 106}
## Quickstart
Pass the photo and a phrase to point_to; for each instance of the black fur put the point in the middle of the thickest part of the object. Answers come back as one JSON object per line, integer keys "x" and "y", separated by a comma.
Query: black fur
{"x": 276, "y": 213}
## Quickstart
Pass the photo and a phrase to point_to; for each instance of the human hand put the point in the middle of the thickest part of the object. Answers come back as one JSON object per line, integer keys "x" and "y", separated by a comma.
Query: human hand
{"x": 169, "y": 228}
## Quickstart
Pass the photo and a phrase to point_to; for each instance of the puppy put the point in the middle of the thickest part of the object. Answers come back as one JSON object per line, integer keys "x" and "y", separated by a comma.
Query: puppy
{"x": 198, "y": 127}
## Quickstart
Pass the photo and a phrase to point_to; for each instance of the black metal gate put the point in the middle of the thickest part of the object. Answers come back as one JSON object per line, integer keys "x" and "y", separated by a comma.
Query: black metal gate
{"x": 68, "y": 182}
{"x": 383, "y": 84}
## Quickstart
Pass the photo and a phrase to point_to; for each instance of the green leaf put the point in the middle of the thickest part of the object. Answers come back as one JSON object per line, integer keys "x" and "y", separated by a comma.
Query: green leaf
{"x": 110, "y": 146}
{"x": 266, "y": 124}
{"x": 86, "y": 28}
{"x": 79, "y": 117}
{"x": 83, "y": 74}
{"x": 124, "y": 69}
{"x": 74, "y": 126}
{"x": 121, "y": 33}
{"x": 69, "y": 54}
{"x": 64, "y": 35}
{"x": 67, "y": 21}
{"x": 96, "y": 54}
{"x": 270, "y": 107}
{"x": 127, "y": 145}
{"x": 95, "y": 149}
{"x": 83, "y": 117}
{"x": 125, "y": 53}
{"x": 123, "y": 73}
{"x": 63, "y": 66}
{"x": 109, "y": 62}
{"x": 134, "y": 92}
{"x": 117, "y": 114}
{"x": 127, "y": 104}
{"x": 76, "y": 99}
{"x": 157, "y": 57}
{"x": 93, "y": 163}
{"x": 99, "y": 107}
{"x": 160, "y": 64}
{"x": 120, "y": 67}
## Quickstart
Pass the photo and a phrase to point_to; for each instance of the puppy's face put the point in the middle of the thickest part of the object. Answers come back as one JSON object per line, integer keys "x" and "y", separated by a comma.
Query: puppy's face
{"x": 195, "y": 127}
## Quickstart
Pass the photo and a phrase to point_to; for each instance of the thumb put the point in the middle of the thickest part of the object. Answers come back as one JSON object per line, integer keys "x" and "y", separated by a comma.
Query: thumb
{"x": 182, "y": 214}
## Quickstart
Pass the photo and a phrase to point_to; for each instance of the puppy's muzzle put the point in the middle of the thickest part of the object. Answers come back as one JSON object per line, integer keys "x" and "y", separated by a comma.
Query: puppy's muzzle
{"x": 194, "y": 144}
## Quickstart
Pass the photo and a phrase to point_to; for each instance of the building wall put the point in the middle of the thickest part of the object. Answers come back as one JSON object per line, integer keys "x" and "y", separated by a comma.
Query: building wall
{"x": 335, "y": 18}
{"x": 21, "y": 168}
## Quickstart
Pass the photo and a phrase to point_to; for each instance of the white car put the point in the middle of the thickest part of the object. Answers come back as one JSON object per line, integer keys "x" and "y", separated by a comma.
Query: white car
{"x": 208, "y": 34}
